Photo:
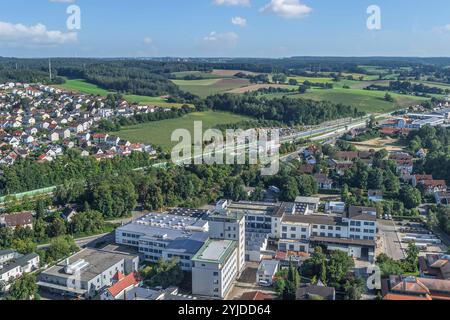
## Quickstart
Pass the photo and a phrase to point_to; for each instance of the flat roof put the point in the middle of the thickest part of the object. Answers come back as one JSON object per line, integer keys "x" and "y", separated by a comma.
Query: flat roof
{"x": 313, "y": 219}
{"x": 309, "y": 200}
{"x": 99, "y": 261}
{"x": 362, "y": 213}
{"x": 215, "y": 251}
{"x": 185, "y": 212}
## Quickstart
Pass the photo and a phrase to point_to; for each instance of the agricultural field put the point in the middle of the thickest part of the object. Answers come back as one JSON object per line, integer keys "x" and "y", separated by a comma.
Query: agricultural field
{"x": 159, "y": 132}
{"x": 256, "y": 87}
{"x": 201, "y": 74}
{"x": 207, "y": 87}
{"x": 82, "y": 86}
{"x": 312, "y": 79}
{"x": 231, "y": 73}
{"x": 363, "y": 100}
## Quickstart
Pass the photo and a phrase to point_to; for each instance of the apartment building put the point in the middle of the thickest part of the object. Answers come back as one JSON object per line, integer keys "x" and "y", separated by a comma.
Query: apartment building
{"x": 215, "y": 268}
{"x": 15, "y": 266}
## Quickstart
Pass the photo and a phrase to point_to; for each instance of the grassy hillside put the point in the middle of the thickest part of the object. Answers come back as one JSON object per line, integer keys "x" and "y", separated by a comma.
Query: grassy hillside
{"x": 207, "y": 87}
{"x": 79, "y": 85}
{"x": 160, "y": 132}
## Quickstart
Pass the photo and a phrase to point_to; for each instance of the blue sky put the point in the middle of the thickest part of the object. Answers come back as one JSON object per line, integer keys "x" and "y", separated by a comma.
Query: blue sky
{"x": 205, "y": 28}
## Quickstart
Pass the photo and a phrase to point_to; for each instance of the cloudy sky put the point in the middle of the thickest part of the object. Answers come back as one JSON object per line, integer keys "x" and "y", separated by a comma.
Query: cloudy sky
{"x": 233, "y": 28}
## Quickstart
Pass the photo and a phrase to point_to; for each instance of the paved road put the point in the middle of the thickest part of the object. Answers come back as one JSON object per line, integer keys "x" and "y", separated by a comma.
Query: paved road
{"x": 91, "y": 241}
{"x": 390, "y": 241}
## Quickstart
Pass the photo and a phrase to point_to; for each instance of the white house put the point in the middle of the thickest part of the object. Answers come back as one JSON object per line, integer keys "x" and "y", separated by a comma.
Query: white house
{"x": 266, "y": 272}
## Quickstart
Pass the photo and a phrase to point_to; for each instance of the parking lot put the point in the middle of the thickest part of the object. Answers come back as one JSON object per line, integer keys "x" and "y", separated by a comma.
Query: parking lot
{"x": 427, "y": 241}
{"x": 389, "y": 241}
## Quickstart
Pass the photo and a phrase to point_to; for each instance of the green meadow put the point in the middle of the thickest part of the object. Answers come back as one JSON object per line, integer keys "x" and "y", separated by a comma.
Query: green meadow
{"x": 160, "y": 132}
{"x": 79, "y": 85}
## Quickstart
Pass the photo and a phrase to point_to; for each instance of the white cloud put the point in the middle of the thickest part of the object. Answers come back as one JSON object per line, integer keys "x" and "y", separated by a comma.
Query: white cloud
{"x": 287, "y": 8}
{"x": 21, "y": 35}
{"x": 226, "y": 39}
{"x": 239, "y": 21}
{"x": 243, "y": 3}
{"x": 148, "y": 40}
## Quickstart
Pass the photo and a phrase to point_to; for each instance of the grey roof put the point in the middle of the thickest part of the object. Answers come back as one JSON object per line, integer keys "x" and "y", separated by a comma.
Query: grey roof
{"x": 268, "y": 267}
{"x": 140, "y": 293}
{"x": 19, "y": 262}
{"x": 307, "y": 291}
{"x": 163, "y": 226}
{"x": 99, "y": 261}
{"x": 190, "y": 245}
{"x": 362, "y": 213}
{"x": 308, "y": 200}
{"x": 313, "y": 219}
{"x": 185, "y": 212}
{"x": 6, "y": 252}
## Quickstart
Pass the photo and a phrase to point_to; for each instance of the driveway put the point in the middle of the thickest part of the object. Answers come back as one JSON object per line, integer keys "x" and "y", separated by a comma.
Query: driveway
{"x": 390, "y": 242}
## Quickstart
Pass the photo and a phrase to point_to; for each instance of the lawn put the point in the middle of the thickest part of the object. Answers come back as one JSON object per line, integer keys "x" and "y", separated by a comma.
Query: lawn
{"x": 207, "y": 87}
{"x": 82, "y": 86}
{"x": 159, "y": 132}
{"x": 363, "y": 100}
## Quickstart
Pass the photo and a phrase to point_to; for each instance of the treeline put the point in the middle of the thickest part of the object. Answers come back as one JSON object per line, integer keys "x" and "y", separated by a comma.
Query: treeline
{"x": 26, "y": 175}
{"x": 28, "y": 76}
{"x": 437, "y": 141}
{"x": 406, "y": 87}
{"x": 123, "y": 78}
{"x": 286, "y": 110}
{"x": 116, "y": 124}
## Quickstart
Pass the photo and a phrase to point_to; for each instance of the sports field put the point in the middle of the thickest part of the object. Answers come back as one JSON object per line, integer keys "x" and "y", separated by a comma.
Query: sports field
{"x": 79, "y": 85}
{"x": 160, "y": 132}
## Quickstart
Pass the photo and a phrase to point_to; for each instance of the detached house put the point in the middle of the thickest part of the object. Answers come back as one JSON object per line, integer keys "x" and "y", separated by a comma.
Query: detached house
{"x": 23, "y": 219}
{"x": 323, "y": 181}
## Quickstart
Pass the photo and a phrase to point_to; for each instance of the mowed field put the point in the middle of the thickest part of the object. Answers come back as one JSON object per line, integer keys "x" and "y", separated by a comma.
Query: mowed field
{"x": 160, "y": 132}
{"x": 207, "y": 87}
{"x": 79, "y": 85}
{"x": 312, "y": 79}
{"x": 256, "y": 87}
{"x": 363, "y": 100}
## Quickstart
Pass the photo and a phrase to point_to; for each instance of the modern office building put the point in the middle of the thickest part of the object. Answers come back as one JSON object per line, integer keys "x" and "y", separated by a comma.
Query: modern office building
{"x": 166, "y": 236}
{"x": 215, "y": 268}
{"x": 225, "y": 224}
{"x": 354, "y": 232}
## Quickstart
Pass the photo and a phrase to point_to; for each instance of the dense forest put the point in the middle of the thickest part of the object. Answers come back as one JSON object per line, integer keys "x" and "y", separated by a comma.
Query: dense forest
{"x": 406, "y": 87}
{"x": 286, "y": 110}
{"x": 437, "y": 141}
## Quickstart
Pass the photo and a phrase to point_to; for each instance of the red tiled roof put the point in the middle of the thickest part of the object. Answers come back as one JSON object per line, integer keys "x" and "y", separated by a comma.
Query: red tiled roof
{"x": 256, "y": 296}
{"x": 126, "y": 282}
{"x": 19, "y": 219}
{"x": 398, "y": 297}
